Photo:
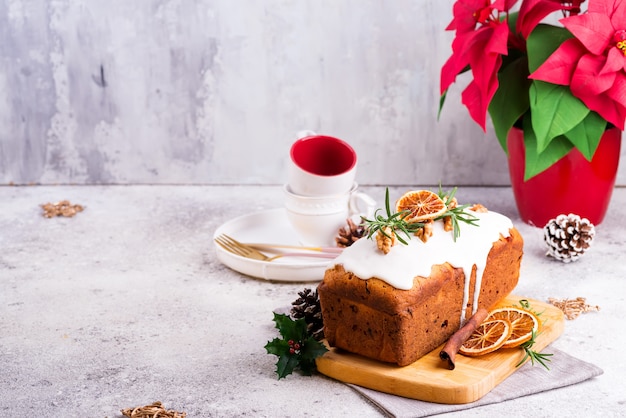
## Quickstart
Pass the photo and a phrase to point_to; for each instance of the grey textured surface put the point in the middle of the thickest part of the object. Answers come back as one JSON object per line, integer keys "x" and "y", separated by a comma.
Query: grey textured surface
{"x": 126, "y": 303}
{"x": 214, "y": 91}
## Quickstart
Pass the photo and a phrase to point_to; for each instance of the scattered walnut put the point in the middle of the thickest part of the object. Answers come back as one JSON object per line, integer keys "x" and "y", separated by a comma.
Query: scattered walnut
{"x": 447, "y": 224}
{"x": 425, "y": 232}
{"x": 62, "y": 208}
{"x": 479, "y": 208}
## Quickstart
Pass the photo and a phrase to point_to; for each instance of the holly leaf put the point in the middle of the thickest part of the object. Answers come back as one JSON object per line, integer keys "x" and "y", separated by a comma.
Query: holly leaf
{"x": 277, "y": 347}
{"x": 296, "y": 349}
{"x": 286, "y": 365}
{"x": 307, "y": 367}
{"x": 286, "y": 361}
{"x": 312, "y": 349}
{"x": 290, "y": 329}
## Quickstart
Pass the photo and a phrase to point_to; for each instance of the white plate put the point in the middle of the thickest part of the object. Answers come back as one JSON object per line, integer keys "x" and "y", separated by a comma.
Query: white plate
{"x": 270, "y": 226}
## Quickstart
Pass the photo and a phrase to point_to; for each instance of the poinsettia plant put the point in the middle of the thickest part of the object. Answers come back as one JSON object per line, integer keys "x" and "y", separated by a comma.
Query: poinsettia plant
{"x": 564, "y": 84}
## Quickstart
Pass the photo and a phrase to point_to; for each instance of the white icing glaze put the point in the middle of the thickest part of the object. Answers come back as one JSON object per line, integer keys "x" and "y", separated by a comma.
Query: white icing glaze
{"x": 400, "y": 266}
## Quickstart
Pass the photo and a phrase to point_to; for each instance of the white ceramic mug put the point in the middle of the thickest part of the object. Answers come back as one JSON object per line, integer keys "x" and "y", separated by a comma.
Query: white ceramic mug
{"x": 321, "y": 165}
{"x": 317, "y": 219}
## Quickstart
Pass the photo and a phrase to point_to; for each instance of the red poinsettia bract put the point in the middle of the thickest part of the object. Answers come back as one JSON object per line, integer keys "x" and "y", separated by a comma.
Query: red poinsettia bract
{"x": 593, "y": 63}
{"x": 532, "y": 12}
{"x": 480, "y": 42}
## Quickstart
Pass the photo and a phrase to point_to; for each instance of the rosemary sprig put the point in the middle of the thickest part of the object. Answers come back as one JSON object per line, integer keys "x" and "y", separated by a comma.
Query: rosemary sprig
{"x": 456, "y": 213}
{"x": 534, "y": 356}
{"x": 541, "y": 358}
{"x": 394, "y": 222}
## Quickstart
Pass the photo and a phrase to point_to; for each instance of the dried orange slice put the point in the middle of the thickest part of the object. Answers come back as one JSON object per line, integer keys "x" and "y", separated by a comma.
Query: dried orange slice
{"x": 523, "y": 324}
{"x": 488, "y": 337}
{"x": 423, "y": 205}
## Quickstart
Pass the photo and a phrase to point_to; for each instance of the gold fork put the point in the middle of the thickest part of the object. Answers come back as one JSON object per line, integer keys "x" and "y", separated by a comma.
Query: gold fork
{"x": 243, "y": 250}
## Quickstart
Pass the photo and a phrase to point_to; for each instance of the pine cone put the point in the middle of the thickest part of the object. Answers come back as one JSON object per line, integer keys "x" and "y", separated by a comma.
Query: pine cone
{"x": 568, "y": 237}
{"x": 307, "y": 306}
{"x": 350, "y": 233}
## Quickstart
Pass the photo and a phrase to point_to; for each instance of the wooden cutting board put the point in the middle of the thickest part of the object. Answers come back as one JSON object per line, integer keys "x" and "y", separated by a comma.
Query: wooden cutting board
{"x": 428, "y": 379}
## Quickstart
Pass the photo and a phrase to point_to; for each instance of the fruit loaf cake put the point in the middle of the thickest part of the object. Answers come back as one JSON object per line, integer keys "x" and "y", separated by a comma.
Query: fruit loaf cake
{"x": 400, "y": 305}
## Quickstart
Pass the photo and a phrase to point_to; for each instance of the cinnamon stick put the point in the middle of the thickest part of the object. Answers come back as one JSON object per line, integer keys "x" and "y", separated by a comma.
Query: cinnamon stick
{"x": 449, "y": 351}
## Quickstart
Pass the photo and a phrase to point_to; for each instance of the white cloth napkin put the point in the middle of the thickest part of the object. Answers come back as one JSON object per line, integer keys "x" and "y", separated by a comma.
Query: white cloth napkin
{"x": 564, "y": 370}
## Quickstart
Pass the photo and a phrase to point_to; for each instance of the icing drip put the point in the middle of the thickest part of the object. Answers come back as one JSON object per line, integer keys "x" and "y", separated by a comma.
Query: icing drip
{"x": 399, "y": 267}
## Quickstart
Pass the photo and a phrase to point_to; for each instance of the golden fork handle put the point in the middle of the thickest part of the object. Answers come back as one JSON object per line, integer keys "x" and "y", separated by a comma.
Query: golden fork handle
{"x": 328, "y": 256}
{"x": 329, "y": 250}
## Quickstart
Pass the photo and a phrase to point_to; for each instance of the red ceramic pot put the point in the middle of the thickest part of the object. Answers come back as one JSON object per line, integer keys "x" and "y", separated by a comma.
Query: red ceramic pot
{"x": 571, "y": 185}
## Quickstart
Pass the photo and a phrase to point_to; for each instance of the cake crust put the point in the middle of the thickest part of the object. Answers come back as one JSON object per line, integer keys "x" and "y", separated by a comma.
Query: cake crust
{"x": 373, "y": 318}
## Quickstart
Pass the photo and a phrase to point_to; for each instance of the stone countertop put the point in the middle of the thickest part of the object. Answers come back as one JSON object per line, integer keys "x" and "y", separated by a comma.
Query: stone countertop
{"x": 126, "y": 303}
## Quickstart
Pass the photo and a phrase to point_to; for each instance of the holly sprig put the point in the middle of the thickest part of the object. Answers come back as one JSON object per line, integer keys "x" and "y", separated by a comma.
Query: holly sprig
{"x": 296, "y": 348}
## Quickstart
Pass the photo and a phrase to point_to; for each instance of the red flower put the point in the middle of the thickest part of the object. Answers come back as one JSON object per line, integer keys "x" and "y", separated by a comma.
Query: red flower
{"x": 532, "y": 12}
{"x": 593, "y": 63}
{"x": 481, "y": 40}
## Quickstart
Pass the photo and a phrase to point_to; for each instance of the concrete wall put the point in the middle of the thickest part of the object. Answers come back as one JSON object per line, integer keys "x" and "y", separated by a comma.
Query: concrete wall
{"x": 213, "y": 91}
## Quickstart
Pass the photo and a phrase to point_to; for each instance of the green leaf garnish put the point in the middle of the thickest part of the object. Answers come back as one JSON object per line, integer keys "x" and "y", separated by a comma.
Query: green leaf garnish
{"x": 396, "y": 224}
{"x": 296, "y": 348}
{"x": 529, "y": 353}
{"x": 534, "y": 356}
{"x": 457, "y": 213}
{"x": 393, "y": 221}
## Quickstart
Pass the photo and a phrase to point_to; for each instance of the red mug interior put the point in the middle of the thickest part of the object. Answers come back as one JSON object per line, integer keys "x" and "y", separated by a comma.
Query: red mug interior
{"x": 323, "y": 155}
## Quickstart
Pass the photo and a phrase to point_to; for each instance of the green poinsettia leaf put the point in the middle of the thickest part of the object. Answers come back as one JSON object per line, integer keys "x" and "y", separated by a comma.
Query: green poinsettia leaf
{"x": 542, "y": 42}
{"x": 512, "y": 21}
{"x": 586, "y": 135}
{"x": 554, "y": 110}
{"x": 442, "y": 100}
{"x": 536, "y": 162}
{"x": 510, "y": 101}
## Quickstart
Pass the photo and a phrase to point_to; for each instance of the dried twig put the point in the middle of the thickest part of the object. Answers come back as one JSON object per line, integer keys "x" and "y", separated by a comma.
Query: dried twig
{"x": 62, "y": 208}
{"x": 154, "y": 410}
{"x": 573, "y": 307}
